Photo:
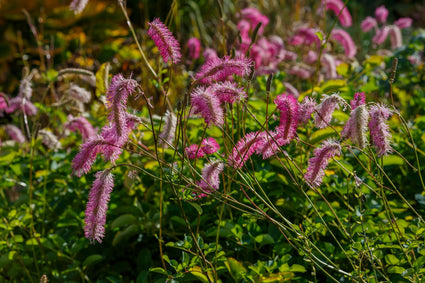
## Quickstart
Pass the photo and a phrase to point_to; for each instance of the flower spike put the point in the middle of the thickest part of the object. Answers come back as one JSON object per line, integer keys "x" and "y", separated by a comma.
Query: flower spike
{"x": 168, "y": 46}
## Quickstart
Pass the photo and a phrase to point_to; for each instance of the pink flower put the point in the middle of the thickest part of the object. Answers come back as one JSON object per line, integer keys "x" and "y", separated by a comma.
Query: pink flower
{"x": 209, "y": 53}
{"x": 395, "y": 37}
{"x": 356, "y": 126}
{"x": 166, "y": 137}
{"x": 307, "y": 36}
{"x": 168, "y": 46}
{"x": 84, "y": 159}
{"x": 49, "y": 139}
{"x": 326, "y": 108}
{"x": 381, "y": 14}
{"x": 209, "y": 145}
{"x": 20, "y": 103}
{"x": 97, "y": 206}
{"x": 317, "y": 164}
{"x": 311, "y": 57}
{"x": 255, "y": 17}
{"x": 336, "y": 6}
{"x": 268, "y": 144}
{"x": 403, "y": 23}
{"x": 244, "y": 27}
{"x": 217, "y": 69}
{"x": 379, "y": 130}
{"x": 329, "y": 65}
{"x": 118, "y": 92}
{"x": 194, "y": 151}
{"x": 368, "y": 24}
{"x": 359, "y": 99}
{"x": 288, "y": 108}
{"x": 244, "y": 148}
{"x": 194, "y": 46}
{"x": 205, "y": 103}
{"x": 228, "y": 92}
{"x": 79, "y": 94}
{"x": 346, "y": 41}
{"x": 78, "y": 6}
{"x": 306, "y": 109}
{"x": 15, "y": 133}
{"x": 381, "y": 35}
{"x": 300, "y": 71}
{"x": 210, "y": 178}
{"x": 81, "y": 124}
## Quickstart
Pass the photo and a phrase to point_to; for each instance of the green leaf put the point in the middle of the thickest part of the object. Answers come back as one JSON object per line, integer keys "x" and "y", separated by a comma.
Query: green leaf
{"x": 264, "y": 239}
{"x": 197, "y": 207}
{"x": 92, "y": 259}
{"x": 196, "y": 271}
{"x": 390, "y": 160}
{"x": 123, "y": 220}
{"x": 323, "y": 134}
{"x": 102, "y": 79}
{"x": 391, "y": 259}
{"x": 124, "y": 235}
{"x": 236, "y": 269}
{"x": 158, "y": 270}
{"x": 297, "y": 268}
{"x": 396, "y": 269}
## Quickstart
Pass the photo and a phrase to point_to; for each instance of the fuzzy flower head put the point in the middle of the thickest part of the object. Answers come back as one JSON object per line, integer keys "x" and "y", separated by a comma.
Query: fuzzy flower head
{"x": 318, "y": 163}
{"x": 381, "y": 14}
{"x": 49, "y": 139}
{"x": 381, "y": 35}
{"x": 205, "y": 103}
{"x": 194, "y": 46}
{"x": 336, "y": 6}
{"x": 15, "y": 133}
{"x": 168, "y": 46}
{"x": 306, "y": 36}
{"x": 379, "y": 130}
{"x": 359, "y": 99}
{"x": 346, "y": 41}
{"x": 306, "y": 109}
{"x": 269, "y": 143}
{"x": 23, "y": 104}
{"x": 84, "y": 159}
{"x": 326, "y": 108}
{"x": 356, "y": 126}
{"x": 228, "y": 92}
{"x": 244, "y": 148}
{"x": 368, "y": 24}
{"x": 289, "y": 116}
{"x": 209, "y": 145}
{"x": 403, "y": 23}
{"x": 254, "y": 17}
{"x": 210, "y": 178}
{"x": 329, "y": 64}
{"x": 194, "y": 151}
{"x": 97, "y": 206}
{"x": 78, "y": 93}
{"x": 219, "y": 69}
{"x": 395, "y": 37}
{"x": 117, "y": 95}
{"x": 81, "y": 124}
{"x": 25, "y": 88}
{"x": 166, "y": 137}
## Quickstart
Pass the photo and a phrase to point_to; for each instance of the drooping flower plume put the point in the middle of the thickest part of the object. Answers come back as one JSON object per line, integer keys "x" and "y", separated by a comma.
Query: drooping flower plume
{"x": 78, "y": 93}
{"x": 403, "y": 23}
{"x": 15, "y": 133}
{"x": 207, "y": 104}
{"x": 97, "y": 206}
{"x": 356, "y": 126}
{"x": 395, "y": 37}
{"x": 210, "y": 178}
{"x": 244, "y": 148}
{"x": 379, "y": 130}
{"x": 209, "y": 145}
{"x": 359, "y": 99}
{"x": 49, "y": 139}
{"x": 336, "y": 6}
{"x": 81, "y": 124}
{"x": 368, "y": 23}
{"x": 194, "y": 151}
{"x": 326, "y": 108}
{"x": 381, "y": 14}
{"x": 306, "y": 109}
{"x": 288, "y": 108}
{"x": 194, "y": 46}
{"x": 85, "y": 158}
{"x": 168, "y": 46}
{"x": 318, "y": 163}
{"x": 346, "y": 41}
{"x": 228, "y": 92}
{"x": 219, "y": 69}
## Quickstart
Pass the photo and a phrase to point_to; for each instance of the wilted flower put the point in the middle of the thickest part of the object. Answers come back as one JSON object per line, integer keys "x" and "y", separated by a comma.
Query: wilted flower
{"x": 166, "y": 137}
{"x": 356, "y": 126}
{"x": 78, "y": 93}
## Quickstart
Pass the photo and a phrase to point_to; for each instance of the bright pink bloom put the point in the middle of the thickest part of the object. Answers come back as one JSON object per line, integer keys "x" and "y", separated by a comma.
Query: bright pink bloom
{"x": 209, "y": 145}
{"x": 268, "y": 144}
{"x": 166, "y": 137}
{"x": 228, "y": 92}
{"x": 194, "y": 151}
{"x": 244, "y": 148}
{"x": 356, "y": 126}
{"x": 311, "y": 57}
{"x": 79, "y": 94}
{"x": 83, "y": 161}
{"x": 15, "y": 133}
{"x": 81, "y": 124}
{"x": 336, "y": 6}
{"x": 205, "y": 103}
{"x": 194, "y": 46}
{"x": 307, "y": 36}
{"x": 381, "y": 14}
{"x": 379, "y": 130}
{"x": 97, "y": 206}
{"x": 244, "y": 27}
{"x": 359, "y": 99}
{"x": 168, "y": 46}
{"x": 326, "y": 108}
{"x": 395, "y": 37}
{"x": 346, "y": 41}
{"x": 78, "y": 6}
{"x": 255, "y": 17}
{"x": 381, "y": 35}
{"x": 118, "y": 92}
{"x": 217, "y": 69}
{"x": 307, "y": 107}
{"x": 403, "y": 23}
{"x": 209, "y": 53}
{"x": 210, "y": 178}
{"x": 317, "y": 164}
{"x": 288, "y": 108}
{"x": 368, "y": 24}
{"x": 23, "y": 104}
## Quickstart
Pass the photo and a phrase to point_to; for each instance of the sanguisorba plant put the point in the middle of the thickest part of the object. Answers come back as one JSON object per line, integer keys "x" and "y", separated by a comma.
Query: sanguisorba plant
{"x": 235, "y": 142}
